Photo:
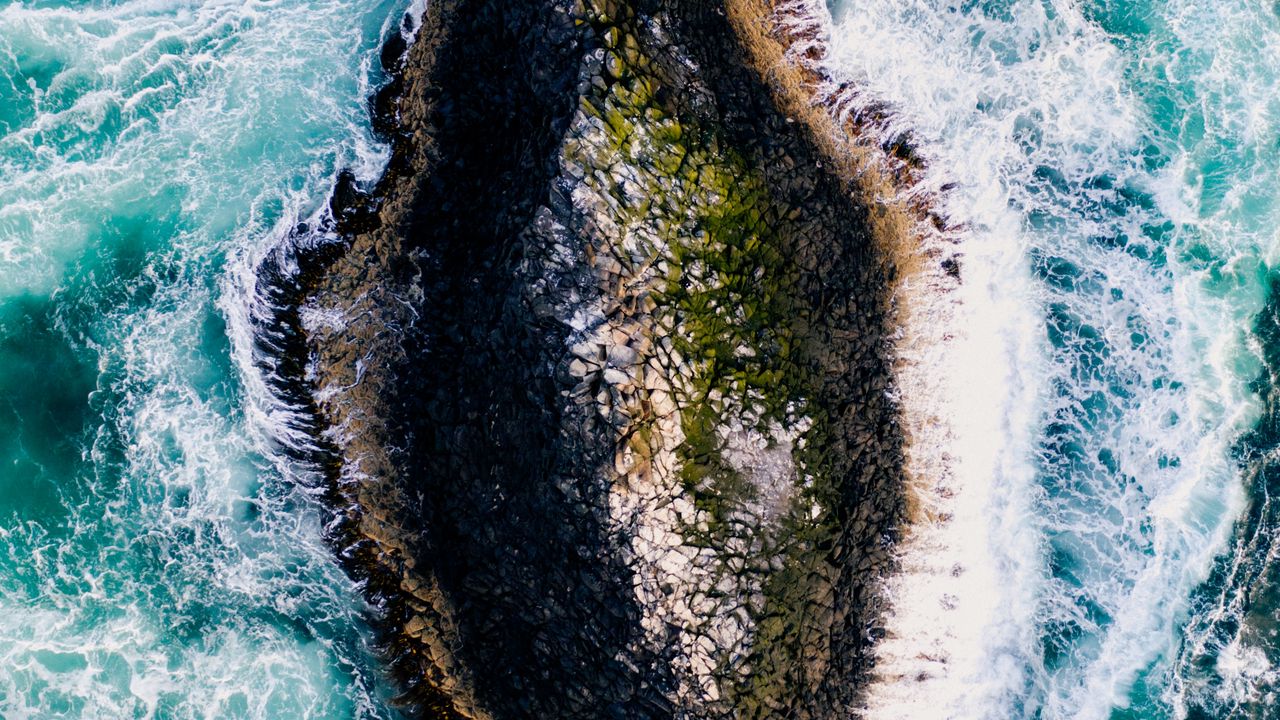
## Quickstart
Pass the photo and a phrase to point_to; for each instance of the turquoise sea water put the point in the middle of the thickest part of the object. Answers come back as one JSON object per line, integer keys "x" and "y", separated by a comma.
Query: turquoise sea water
{"x": 1116, "y": 168}
{"x": 158, "y": 557}
{"x": 1114, "y": 165}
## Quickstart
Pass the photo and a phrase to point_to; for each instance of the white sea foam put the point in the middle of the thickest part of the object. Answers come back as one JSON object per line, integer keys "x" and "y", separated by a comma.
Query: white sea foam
{"x": 1100, "y": 450}
{"x": 1223, "y": 60}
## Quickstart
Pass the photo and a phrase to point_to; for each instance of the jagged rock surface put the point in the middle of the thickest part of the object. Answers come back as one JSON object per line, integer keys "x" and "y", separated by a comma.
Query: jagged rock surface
{"x": 603, "y": 358}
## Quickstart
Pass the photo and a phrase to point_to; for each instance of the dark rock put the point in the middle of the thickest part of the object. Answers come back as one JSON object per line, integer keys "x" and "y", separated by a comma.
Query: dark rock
{"x": 469, "y": 494}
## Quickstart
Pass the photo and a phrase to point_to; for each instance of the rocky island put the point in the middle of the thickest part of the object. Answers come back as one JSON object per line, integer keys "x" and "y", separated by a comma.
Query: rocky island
{"x": 600, "y": 373}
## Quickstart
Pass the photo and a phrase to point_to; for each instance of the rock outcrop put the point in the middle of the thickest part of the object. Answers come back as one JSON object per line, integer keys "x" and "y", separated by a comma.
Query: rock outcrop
{"x": 600, "y": 372}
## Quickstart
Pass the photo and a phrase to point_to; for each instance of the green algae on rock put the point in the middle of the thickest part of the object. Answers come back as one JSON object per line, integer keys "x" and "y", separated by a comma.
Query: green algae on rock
{"x": 736, "y": 501}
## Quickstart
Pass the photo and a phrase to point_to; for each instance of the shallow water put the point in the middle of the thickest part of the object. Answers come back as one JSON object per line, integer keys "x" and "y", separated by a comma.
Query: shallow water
{"x": 159, "y": 557}
{"x": 1116, "y": 170}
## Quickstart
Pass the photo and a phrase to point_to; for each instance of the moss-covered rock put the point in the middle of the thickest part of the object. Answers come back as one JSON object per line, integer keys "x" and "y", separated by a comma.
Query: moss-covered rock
{"x": 741, "y": 519}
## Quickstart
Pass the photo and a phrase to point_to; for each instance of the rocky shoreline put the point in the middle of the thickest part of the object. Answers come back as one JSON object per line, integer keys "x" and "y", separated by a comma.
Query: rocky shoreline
{"x": 600, "y": 373}
{"x": 920, "y": 601}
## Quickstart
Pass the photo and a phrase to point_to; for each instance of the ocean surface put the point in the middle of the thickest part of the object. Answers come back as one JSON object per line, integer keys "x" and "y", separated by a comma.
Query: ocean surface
{"x": 160, "y": 557}
{"x": 1113, "y": 171}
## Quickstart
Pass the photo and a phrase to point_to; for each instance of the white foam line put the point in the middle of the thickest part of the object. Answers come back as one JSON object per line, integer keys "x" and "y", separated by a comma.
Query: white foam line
{"x": 988, "y": 99}
{"x": 962, "y": 603}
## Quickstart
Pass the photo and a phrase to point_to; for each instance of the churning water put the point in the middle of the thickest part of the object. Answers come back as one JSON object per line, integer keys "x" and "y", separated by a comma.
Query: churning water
{"x": 159, "y": 558}
{"x": 1115, "y": 167}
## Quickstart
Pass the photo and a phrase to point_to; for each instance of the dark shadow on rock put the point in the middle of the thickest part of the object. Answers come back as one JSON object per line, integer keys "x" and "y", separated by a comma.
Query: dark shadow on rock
{"x": 539, "y": 589}
{"x": 506, "y": 517}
